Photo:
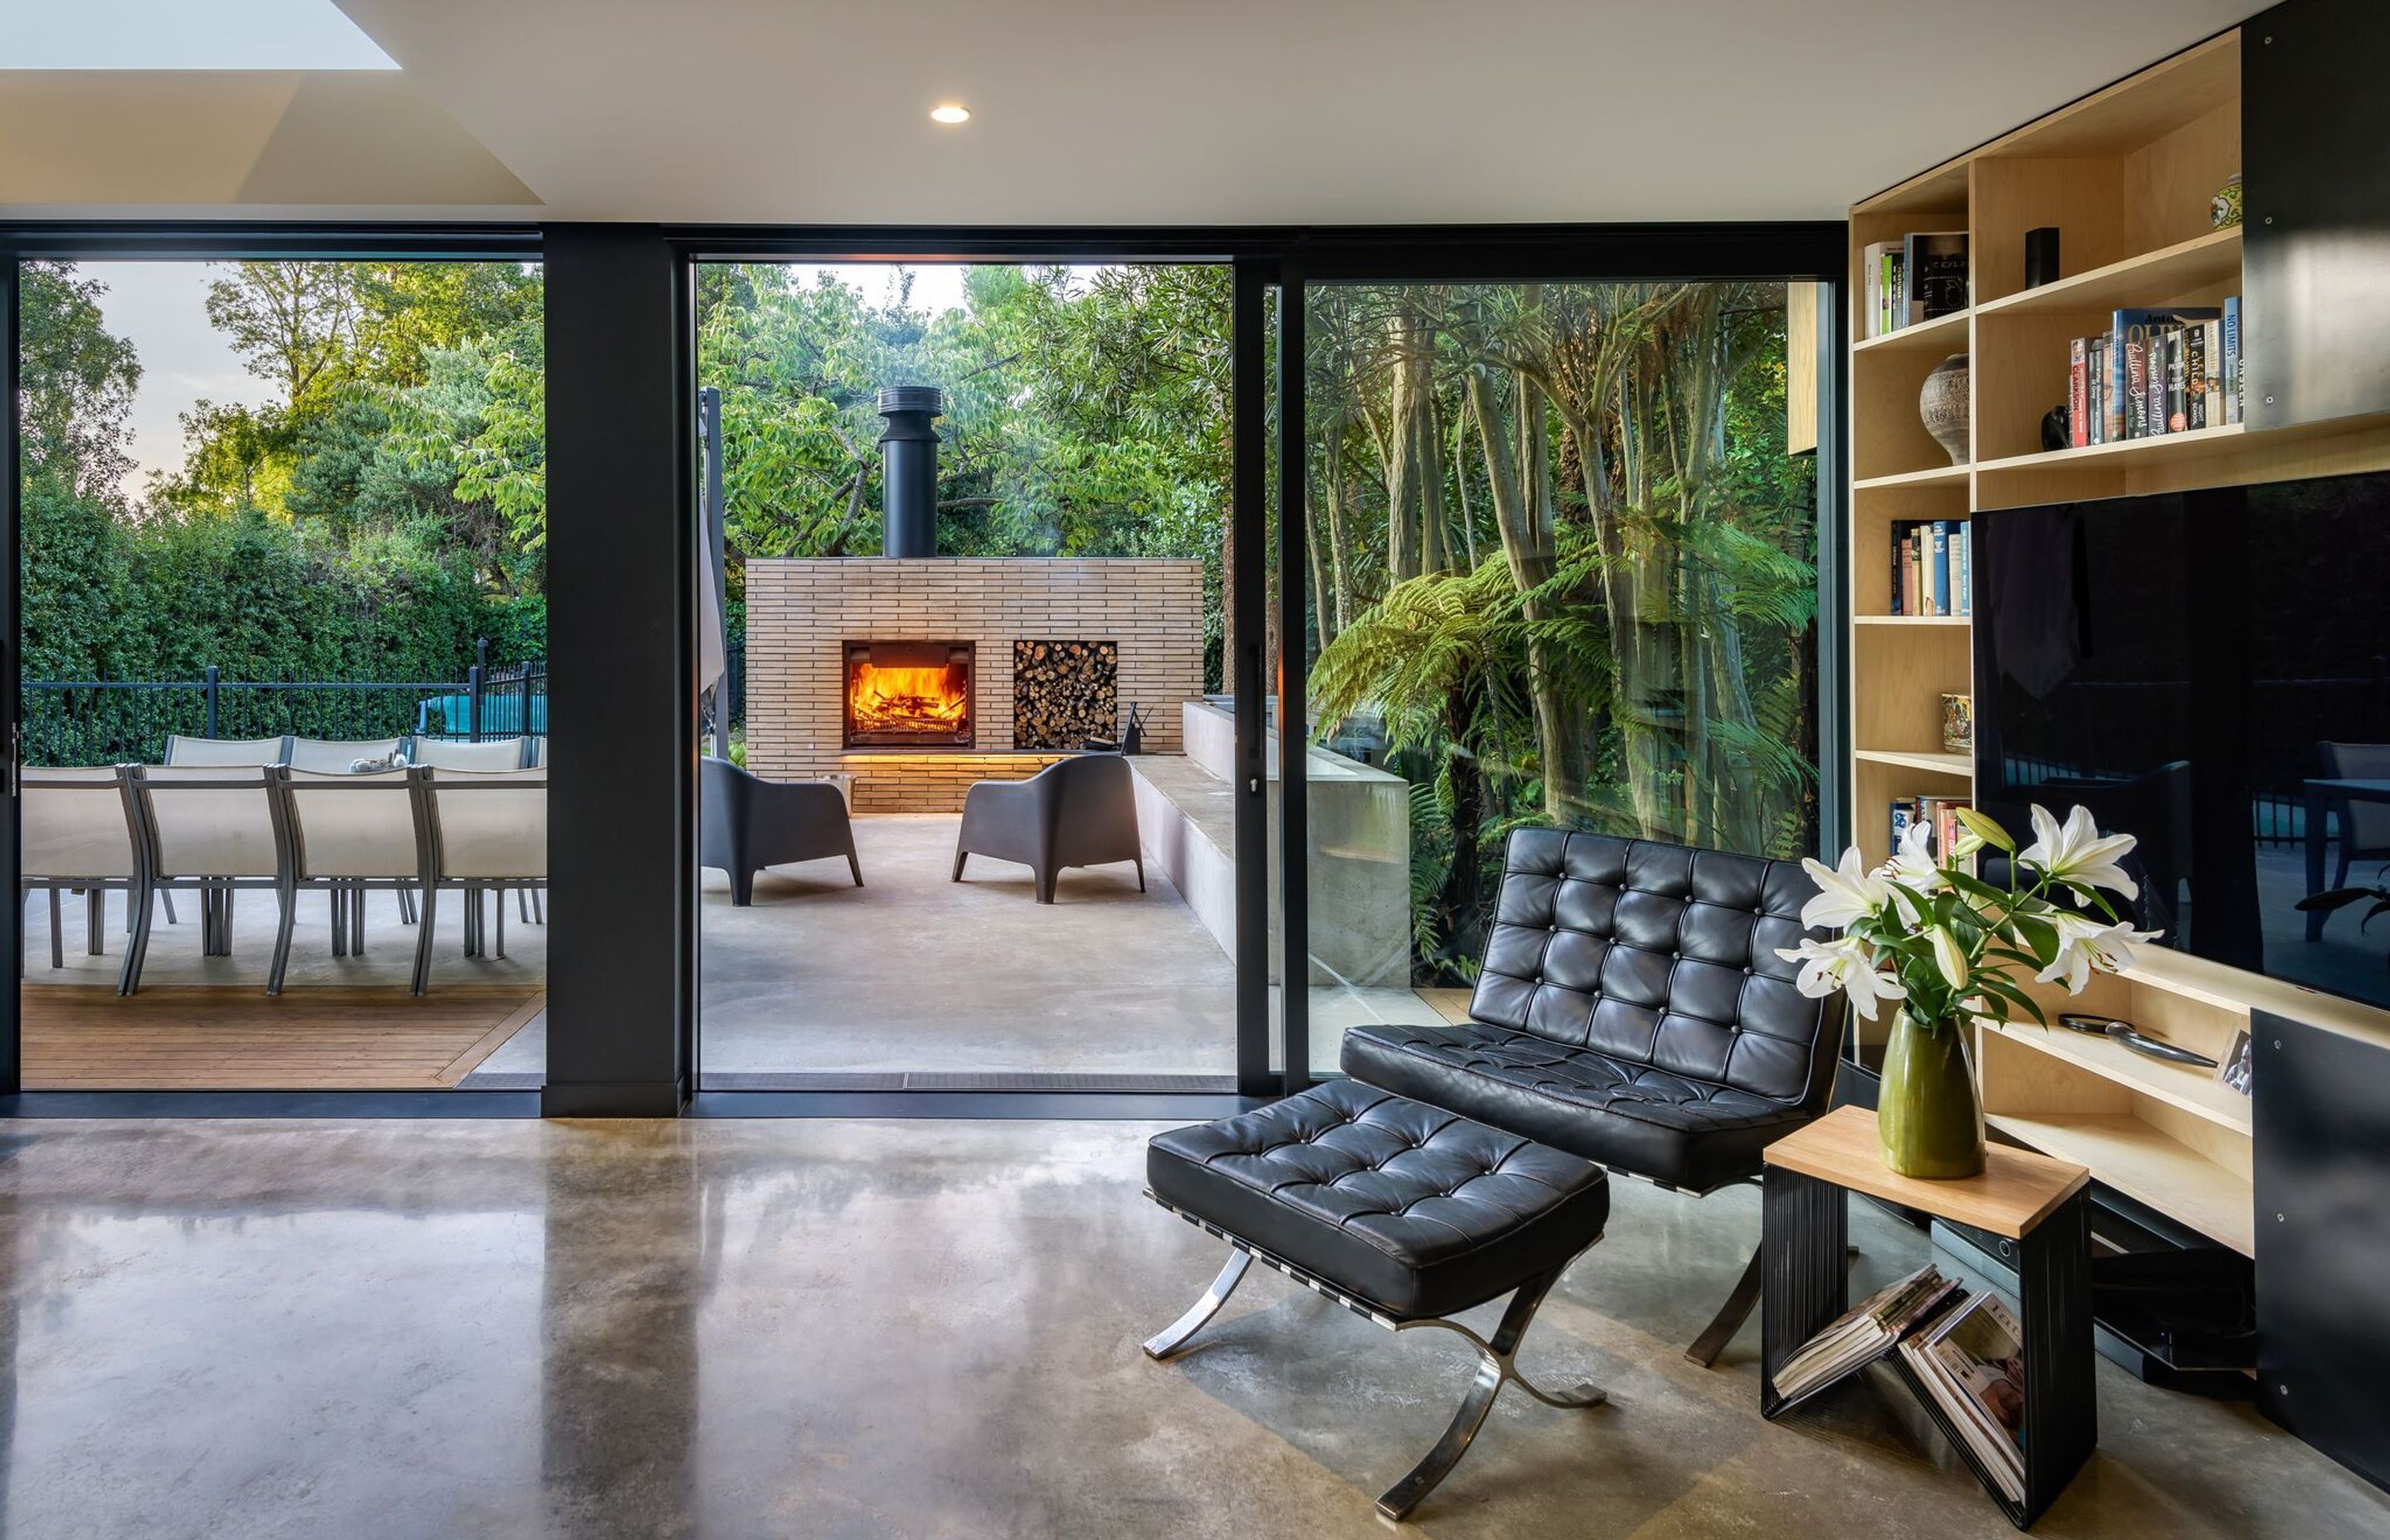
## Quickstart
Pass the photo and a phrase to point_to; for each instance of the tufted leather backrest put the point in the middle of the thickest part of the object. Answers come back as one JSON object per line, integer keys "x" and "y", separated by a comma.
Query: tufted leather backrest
{"x": 1663, "y": 955}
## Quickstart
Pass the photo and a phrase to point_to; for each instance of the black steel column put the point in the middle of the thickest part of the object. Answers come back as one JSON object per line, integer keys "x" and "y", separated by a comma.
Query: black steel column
{"x": 2061, "y": 1402}
{"x": 1247, "y": 598}
{"x": 622, "y": 696}
{"x": 11, "y": 669}
{"x": 1293, "y": 690}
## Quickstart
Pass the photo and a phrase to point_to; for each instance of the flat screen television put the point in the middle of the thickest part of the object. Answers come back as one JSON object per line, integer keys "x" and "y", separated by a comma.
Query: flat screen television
{"x": 2209, "y": 672}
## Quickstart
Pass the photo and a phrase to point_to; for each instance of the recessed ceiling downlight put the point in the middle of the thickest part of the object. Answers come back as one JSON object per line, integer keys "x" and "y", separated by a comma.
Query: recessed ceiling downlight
{"x": 950, "y": 112}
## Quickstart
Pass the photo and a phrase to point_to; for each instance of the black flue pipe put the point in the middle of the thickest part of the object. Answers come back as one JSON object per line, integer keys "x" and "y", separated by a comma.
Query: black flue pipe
{"x": 908, "y": 470}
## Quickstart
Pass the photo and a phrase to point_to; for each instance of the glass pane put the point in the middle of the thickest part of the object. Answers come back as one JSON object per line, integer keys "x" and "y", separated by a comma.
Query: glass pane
{"x": 283, "y": 513}
{"x": 973, "y": 518}
{"x": 1562, "y": 571}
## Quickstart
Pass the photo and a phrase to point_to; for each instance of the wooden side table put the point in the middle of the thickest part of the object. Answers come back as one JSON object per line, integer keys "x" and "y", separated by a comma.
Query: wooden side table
{"x": 2039, "y": 1203}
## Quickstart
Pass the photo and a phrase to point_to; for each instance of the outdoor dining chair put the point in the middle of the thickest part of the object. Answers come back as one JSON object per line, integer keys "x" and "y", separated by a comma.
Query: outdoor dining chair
{"x": 486, "y": 830}
{"x": 251, "y": 752}
{"x": 348, "y": 834}
{"x": 205, "y": 829}
{"x": 341, "y": 756}
{"x": 452, "y": 753}
{"x": 73, "y": 833}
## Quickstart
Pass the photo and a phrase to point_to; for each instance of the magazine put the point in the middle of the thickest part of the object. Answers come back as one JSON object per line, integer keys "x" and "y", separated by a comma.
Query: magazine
{"x": 1973, "y": 1363}
{"x": 1861, "y": 1334}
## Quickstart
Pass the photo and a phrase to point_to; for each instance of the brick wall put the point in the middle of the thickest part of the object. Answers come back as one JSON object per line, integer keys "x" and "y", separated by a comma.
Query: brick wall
{"x": 800, "y": 614}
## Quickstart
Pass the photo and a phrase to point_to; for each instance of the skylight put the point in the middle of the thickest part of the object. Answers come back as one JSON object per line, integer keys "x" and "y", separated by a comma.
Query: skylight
{"x": 182, "y": 34}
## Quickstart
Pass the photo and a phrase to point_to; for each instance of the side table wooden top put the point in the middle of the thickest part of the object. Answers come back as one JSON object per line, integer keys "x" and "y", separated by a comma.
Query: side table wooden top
{"x": 2016, "y": 1190}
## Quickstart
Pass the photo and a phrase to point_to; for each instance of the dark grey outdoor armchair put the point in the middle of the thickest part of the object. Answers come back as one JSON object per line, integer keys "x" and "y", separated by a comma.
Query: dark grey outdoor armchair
{"x": 1078, "y": 812}
{"x": 749, "y": 823}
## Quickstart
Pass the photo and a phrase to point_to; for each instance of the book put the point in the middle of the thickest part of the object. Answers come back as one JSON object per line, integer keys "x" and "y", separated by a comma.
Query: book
{"x": 1912, "y": 602}
{"x": 1899, "y": 568}
{"x": 2113, "y": 395}
{"x": 1962, "y": 586}
{"x": 2079, "y": 393}
{"x": 2194, "y": 375}
{"x": 1895, "y": 266}
{"x": 2232, "y": 371}
{"x": 1972, "y": 1363}
{"x": 2211, "y": 363}
{"x": 1859, "y": 1335}
{"x": 1937, "y": 567}
{"x": 2177, "y": 379}
{"x": 1933, "y": 274}
{"x": 2137, "y": 382}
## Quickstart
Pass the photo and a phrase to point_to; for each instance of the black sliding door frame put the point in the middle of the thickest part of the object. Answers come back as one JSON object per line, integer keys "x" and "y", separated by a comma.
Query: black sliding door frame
{"x": 649, "y": 1036}
{"x": 190, "y": 242}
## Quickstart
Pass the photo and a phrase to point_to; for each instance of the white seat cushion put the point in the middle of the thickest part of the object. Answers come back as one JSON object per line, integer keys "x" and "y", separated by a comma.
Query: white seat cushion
{"x": 73, "y": 824}
{"x": 358, "y": 825}
{"x": 493, "y": 823}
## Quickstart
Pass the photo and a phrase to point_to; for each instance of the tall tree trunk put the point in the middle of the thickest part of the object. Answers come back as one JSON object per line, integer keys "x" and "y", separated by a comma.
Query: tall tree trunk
{"x": 1526, "y": 535}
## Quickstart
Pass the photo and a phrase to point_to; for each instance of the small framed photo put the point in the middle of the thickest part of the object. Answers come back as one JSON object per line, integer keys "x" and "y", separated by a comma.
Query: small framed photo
{"x": 1959, "y": 723}
{"x": 2233, "y": 1068}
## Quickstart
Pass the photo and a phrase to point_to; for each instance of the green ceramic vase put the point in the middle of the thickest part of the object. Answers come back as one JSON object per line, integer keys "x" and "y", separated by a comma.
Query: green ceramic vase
{"x": 1927, "y": 1115}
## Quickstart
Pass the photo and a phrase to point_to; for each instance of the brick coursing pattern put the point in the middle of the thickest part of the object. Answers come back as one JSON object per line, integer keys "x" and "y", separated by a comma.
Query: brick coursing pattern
{"x": 801, "y": 612}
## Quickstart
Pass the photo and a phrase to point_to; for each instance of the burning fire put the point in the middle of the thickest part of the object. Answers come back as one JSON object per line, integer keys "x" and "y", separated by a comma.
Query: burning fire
{"x": 908, "y": 700}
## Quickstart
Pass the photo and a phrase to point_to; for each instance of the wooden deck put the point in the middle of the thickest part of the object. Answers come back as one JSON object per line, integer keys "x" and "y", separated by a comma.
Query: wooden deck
{"x": 211, "y": 1037}
{"x": 1451, "y": 1003}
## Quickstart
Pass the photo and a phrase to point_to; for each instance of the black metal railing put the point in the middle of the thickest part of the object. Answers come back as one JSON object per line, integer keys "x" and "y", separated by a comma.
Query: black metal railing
{"x": 128, "y": 720}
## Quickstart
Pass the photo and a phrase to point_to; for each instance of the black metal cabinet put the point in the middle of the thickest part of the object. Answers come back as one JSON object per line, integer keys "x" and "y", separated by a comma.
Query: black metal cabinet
{"x": 2322, "y": 1170}
{"x": 2315, "y": 147}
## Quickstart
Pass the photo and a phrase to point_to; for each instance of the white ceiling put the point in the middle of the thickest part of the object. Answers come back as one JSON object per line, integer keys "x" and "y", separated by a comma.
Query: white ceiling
{"x": 1246, "y": 111}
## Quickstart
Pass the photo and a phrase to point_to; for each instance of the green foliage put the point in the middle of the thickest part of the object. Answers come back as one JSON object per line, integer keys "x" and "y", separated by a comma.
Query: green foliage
{"x": 372, "y": 520}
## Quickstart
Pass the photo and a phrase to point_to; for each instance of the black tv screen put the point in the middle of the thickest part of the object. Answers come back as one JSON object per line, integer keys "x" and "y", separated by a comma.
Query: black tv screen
{"x": 2210, "y": 673}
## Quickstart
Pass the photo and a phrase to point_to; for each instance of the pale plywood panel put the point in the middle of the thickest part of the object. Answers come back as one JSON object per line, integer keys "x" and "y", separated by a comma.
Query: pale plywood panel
{"x": 2016, "y": 1190}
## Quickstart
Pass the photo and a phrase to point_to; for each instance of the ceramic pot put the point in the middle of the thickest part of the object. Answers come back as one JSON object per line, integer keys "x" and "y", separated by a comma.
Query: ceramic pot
{"x": 1927, "y": 1117}
{"x": 1941, "y": 406}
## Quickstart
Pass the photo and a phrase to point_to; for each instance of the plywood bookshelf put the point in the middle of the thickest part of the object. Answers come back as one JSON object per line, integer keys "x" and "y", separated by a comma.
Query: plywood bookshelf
{"x": 2125, "y": 174}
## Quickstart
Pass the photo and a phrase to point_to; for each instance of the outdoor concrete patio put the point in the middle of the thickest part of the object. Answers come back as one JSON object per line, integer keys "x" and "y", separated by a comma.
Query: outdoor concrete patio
{"x": 915, "y": 973}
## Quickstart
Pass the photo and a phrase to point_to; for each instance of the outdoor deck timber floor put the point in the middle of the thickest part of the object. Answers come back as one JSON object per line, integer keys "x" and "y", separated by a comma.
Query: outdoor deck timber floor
{"x": 195, "y": 1037}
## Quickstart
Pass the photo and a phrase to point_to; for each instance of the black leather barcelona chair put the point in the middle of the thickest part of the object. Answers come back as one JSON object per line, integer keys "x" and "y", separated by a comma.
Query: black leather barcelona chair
{"x": 1632, "y": 1011}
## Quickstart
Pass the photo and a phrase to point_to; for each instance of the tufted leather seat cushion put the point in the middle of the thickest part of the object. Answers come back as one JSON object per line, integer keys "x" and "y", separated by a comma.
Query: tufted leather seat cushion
{"x": 1419, "y": 1212}
{"x": 1632, "y": 1010}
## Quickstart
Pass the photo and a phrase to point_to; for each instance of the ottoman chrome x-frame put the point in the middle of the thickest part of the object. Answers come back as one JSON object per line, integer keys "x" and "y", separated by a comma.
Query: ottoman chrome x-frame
{"x": 1402, "y": 1215}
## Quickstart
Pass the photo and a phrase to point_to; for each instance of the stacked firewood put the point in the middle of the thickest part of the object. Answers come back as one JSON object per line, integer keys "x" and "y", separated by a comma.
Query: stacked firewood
{"x": 1063, "y": 693}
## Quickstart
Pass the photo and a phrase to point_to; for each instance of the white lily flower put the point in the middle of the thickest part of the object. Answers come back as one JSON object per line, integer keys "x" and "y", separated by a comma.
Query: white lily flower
{"x": 1913, "y": 867}
{"x": 1949, "y": 956}
{"x": 2084, "y": 944}
{"x": 2077, "y": 853}
{"x": 1846, "y": 893}
{"x": 1847, "y": 964}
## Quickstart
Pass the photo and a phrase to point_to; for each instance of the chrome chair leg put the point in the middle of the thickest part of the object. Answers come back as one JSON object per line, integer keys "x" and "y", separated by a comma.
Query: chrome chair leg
{"x": 1497, "y": 1366}
{"x": 1174, "y": 1337}
{"x": 1729, "y": 1318}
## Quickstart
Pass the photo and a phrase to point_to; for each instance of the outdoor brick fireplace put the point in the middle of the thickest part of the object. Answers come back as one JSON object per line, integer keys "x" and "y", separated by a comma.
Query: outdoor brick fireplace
{"x": 1042, "y": 654}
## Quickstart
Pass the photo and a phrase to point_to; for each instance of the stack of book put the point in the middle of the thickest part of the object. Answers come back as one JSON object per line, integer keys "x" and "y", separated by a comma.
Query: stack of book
{"x": 1933, "y": 568}
{"x": 2155, "y": 372}
{"x": 1912, "y": 279}
{"x": 1971, "y": 1362}
{"x": 1965, "y": 1350}
{"x": 1939, "y": 815}
{"x": 1860, "y": 1336}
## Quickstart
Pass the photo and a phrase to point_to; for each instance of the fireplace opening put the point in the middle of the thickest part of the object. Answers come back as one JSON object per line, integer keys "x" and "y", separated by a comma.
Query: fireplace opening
{"x": 908, "y": 695}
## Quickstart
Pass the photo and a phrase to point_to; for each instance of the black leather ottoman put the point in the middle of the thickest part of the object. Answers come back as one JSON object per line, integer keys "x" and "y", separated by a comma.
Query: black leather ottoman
{"x": 1398, "y": 1211}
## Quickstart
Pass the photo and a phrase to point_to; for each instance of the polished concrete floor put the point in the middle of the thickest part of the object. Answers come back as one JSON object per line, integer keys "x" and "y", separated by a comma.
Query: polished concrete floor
{"x": 848, "y": 1328}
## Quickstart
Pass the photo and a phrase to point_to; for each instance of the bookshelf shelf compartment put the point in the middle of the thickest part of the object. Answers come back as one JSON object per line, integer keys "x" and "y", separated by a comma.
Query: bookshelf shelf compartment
{"x": 2187, "y": 1086}
{"x": 2146, "y": 1165}
{"x": 2159, "y": 277}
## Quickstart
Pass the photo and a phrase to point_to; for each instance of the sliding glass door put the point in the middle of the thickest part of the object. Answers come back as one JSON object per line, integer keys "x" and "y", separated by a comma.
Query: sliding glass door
{"x": 1558, "y": 565}
{"x": 966, "y": 799}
